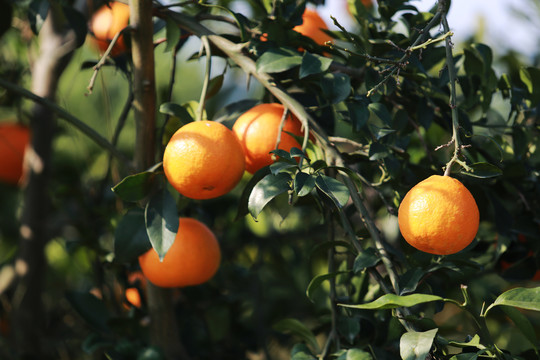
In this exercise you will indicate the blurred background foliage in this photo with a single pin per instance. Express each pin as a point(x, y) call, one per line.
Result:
point(246, 310)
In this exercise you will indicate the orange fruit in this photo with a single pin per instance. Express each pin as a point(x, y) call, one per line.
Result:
point(133, 297)
point(14, 139)
point(193, 258)
point(439, 216)
point(106, 22)
point(203, 160)
point(258, 130)
point(311, 26)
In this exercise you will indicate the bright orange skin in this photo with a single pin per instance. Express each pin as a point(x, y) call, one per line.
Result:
point(439, 216)
point(14, 139)
point(193, 258)
point(106, 23)
point(311, 26)
point(133, 297)
point(258, 129)
point(203, 160)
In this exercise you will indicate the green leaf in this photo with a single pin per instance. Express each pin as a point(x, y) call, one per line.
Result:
point(524, 298)
point(355, 354)
point(358, 114)
point(526, 78)
point(349, 327)
point(391, 301)
point(303, 183)
point(482, 170)
point(380, 111)
point(334, 189)
point(336, 87)
point(161, 218)
point(92, 310)
point(267, 189)
point(37, 13)
point(301, 352)
point(135, 187)
point(297, 328)
point(522, 323)
point(130, 237)
point(280, 166)
point(317, 281)
point(277, 60)
point(474, 342)
point(243, 202)
point(409, 281)
point(313, 64)
point(416, 345)
point(378, 151)
point(214, 85)
point(172, 33)
point(179, 112)
point(366, 259)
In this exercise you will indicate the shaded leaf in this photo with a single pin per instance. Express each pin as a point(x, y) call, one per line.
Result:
point(92, 310)
point(334, 189)
point(313, 64)
point(130, 237)
point(349, 327)
point(366, 259)
point(336, 87)
point(416, 345)
point(135, 187)
point(301, 352)
point(358, 114)
point(214, 85)
point(391, 301)
point(380, 111)
point(161, 218)
point(317, 281)
point(179, 112)
point(482, 170)
point(295, 327)
point(267, 189)
point(409, 281)
point(303, 183)
point(522, 323)
point(172, 32)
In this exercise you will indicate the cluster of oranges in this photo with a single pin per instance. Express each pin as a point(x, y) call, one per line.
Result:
point(205, 160)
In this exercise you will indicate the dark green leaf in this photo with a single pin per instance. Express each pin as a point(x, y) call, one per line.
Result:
point(474, 342)
point(391, 301)
point(303, 183)
point(267, 189)
point(233, 110)
point(278, 60)
point(334, 189)
point(177, 111)
point(522, 323)
point(37, 12)
point(524, 298)
point(317, 281)
point(355, 354)
point(243, 202)
point(161, 218)
point(409, 281)
point(135, 187)
point(336, 87)
point(380, 111)
point(6, 15)
point(301, 352)
point(297, 328)
point(313, 64)
point(279, 166)
point(465, 356)
point(92, 310)
point(482, 170)
point(366, 259)
point(214, 86)
point(378, 151)
point(172, 32)
point(130, 237)
point(416, 345)
point(349, 327)
point(77, 22)
point(284, 155)
point(358, 114)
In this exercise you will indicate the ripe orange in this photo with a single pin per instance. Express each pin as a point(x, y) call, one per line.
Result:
point(106, 22)
point(203, 160)
point(258, 130)
point(133, 297)
point(311, 26)
point(14, 139)
point(439, 216)
point(193, 258)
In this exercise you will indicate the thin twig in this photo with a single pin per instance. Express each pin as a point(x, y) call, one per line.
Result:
point(206, 81)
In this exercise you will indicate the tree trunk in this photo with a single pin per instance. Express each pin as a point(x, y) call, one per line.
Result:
point(57, 43)
point(163, 327)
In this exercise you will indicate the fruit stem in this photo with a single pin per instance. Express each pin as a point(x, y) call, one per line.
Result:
point(208, 69)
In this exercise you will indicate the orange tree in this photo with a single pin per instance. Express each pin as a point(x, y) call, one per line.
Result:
point(312, 262)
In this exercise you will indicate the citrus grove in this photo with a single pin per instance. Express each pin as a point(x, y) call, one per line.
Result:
point(265, 180)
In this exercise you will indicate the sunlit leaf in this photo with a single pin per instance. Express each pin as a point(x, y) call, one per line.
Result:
point(278, 60)
point(416, 345)
point(313, 64)
point(334, 189)
point(524, 298)
point(267, 189)
point(391, 301)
